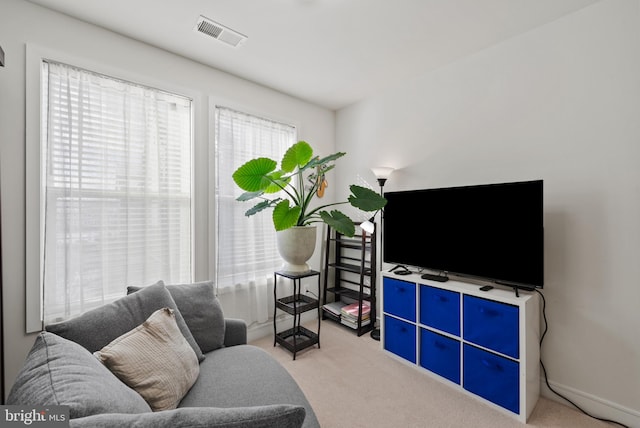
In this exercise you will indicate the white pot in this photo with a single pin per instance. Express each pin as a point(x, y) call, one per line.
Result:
point(296, 246)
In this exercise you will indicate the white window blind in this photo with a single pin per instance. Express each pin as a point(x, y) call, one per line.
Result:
point(246, 246)
point(116, 188)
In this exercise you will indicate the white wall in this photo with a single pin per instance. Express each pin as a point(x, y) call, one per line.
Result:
point(559, 103)
point(21, 23)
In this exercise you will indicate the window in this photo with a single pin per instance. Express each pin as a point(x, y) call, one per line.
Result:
point(115, 188)
point(246, 248)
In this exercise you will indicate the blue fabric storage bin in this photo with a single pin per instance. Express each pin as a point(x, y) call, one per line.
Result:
point(440, 309)
point(400, 338)
point(492, 325)
point(400, 298)
point(440, 354)
point(492, 377)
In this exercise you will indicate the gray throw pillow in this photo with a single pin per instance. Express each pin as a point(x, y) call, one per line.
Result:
point(97, 328)
point(280, 416)
point(201, 310)
point(61, 372)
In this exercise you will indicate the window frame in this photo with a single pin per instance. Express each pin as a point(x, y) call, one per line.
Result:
point(219, 101)
point(34, 221)
point(214, 147)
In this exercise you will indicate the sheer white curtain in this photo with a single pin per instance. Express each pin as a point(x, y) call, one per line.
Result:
point(246, 248)
point(116, 190)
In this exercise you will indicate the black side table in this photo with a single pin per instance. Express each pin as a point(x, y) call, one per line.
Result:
point(297, 338)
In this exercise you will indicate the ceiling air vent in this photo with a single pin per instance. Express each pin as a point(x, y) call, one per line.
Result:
point(219, 32)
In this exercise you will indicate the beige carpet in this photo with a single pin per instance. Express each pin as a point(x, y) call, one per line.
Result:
point(351, 382)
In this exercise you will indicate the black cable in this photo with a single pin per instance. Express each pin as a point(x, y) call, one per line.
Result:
point(544, 370)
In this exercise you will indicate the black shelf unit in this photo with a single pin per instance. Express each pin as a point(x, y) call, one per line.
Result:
point(351, 262)
point(298, 337)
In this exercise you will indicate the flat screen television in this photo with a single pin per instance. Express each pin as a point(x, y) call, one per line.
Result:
point(491, 231)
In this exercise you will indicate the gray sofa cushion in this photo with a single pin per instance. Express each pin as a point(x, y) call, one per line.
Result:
point(96, 328)
point(60, 372)
point(201, 310)
point(280, 416)
point(235, 332)
point(228, 378)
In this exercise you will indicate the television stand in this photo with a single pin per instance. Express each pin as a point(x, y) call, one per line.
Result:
point(486, 345)
point(434, 277)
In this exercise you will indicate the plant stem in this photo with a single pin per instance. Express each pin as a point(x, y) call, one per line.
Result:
point(325, 206)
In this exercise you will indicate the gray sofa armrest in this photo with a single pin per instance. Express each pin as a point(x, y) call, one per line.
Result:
point(281, 416)
point(235, 332)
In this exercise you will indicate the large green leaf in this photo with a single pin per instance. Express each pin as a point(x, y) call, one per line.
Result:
point(284, 216)
point(339, 221)
point(253, 175)
point(247, 196)
point(278, 182)
point(297, 156)
point(325, 160)
point(366, 199)
point(261, 206)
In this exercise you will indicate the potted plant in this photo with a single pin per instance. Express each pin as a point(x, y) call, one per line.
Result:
point(301, 178)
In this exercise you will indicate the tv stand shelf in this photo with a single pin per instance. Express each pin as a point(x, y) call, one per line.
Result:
point(484, 343)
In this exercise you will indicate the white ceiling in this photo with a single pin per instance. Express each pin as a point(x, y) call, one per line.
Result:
point(329, 52)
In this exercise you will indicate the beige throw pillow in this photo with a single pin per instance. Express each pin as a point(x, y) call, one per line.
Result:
point(155, 360)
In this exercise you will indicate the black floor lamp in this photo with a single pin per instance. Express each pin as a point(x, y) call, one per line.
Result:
point(382, 173)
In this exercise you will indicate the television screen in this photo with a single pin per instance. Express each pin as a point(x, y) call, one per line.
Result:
point(491, 231)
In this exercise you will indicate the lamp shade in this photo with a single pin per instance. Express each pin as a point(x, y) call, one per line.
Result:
point(382, 172)
point(368, 226)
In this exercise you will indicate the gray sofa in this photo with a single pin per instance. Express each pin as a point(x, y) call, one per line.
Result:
point(238, 385)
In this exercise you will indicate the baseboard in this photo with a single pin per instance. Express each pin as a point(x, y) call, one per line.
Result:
point(595, 406)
